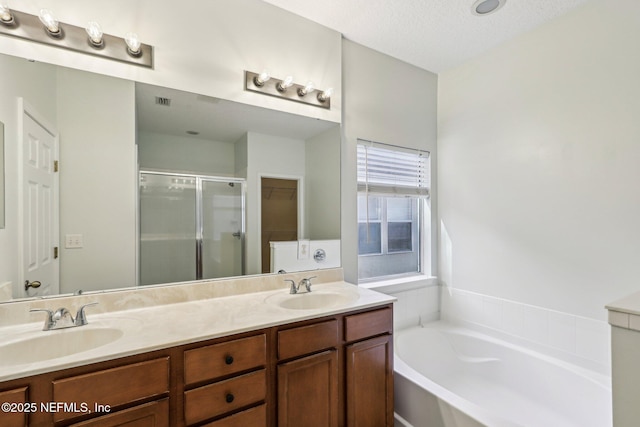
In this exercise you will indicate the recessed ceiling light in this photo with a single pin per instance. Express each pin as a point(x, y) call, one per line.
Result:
point(485, 7)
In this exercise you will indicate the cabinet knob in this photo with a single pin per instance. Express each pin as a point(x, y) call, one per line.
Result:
point(229, 398)
point(228, 360)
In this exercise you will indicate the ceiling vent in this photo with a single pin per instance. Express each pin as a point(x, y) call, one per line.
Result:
point(163, 101)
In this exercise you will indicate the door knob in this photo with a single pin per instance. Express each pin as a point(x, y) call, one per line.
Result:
point(34, 284)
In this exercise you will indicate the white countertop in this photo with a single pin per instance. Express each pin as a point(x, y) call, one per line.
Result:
point(169, 325)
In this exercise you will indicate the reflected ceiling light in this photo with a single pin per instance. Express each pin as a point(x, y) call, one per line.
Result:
point(5, 15)
point(265, 84)
point(262, 78)
point(95, 34)
point(26, 26)
point(323, 96)
point(285, 84)
point(309, 87)
point(50, 22)
point(133, 44)
point(485, 7)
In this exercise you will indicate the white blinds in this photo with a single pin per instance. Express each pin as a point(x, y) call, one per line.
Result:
point(391, 170)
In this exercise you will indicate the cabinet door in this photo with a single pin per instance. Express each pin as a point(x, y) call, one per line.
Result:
point(16, 416)
point(308, 391)
point(370, 383)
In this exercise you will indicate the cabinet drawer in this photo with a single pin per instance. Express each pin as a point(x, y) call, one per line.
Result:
point(254, 417)
point(14, 418)
point(154, 414)
point(113, 387)
point(307, 339)
point(225, 396)
point(218, 360)
point(368, 324)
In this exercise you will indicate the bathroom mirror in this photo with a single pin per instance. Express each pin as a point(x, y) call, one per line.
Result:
point(122, 142)
point(1, 175)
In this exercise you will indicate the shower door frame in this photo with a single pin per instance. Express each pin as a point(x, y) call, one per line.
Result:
point(199, 231)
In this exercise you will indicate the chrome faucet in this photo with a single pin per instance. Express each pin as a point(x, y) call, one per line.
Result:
point(296, 288)
point(62, 318)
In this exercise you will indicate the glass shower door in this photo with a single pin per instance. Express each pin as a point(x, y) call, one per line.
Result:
point(167, 228)
point(191, 227)
point(222, 228)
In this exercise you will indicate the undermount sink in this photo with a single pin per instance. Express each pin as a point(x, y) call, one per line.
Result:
point(313, 300)
point(47, 345)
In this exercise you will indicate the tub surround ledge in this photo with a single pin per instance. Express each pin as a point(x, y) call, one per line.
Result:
point(625, 312)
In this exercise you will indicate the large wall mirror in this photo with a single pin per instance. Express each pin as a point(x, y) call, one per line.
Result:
point(158, 186)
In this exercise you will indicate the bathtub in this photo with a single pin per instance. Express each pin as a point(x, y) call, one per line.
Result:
point(447, 376)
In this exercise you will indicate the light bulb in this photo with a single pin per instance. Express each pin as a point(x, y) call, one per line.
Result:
point(263, 77)
point(49, 20)
point(5, 14)
point(95, 33)
point(286, 83)
point(323, 96)
point(133, 43)
point(309, 87)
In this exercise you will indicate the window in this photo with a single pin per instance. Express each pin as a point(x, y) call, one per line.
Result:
point(393, 190)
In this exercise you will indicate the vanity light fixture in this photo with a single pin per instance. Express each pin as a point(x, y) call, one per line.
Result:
point(5, 15)
point(50, 23)
point(271, 86)
point(324, 96)
point(94, 31)
point(285, 84)
point(262, 78)
point(308, 88)
point(90, 40)
point(133, 44)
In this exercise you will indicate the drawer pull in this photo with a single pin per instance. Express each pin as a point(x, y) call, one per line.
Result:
point(229, 398)
point(228, 360)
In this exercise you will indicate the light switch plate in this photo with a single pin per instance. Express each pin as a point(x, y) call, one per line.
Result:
point(73, 241)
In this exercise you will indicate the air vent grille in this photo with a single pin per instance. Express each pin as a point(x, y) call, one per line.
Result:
point(163, 101)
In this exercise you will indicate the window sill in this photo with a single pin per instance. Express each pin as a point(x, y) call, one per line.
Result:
point(400, 284)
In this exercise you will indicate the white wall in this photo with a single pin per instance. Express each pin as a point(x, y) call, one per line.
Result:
point(274, 157)
point(36, 83)
point(388, 101)
point(185, 154)
point(98, 180)
point(203, 46)
point(538, 164)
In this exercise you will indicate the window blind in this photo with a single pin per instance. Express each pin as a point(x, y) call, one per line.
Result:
point(389, 170)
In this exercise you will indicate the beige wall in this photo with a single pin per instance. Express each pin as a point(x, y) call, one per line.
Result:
point(36, 83)
point(98, 185)
point(322, 180)
point(388, 101)
point(185, 154)
point(538, 164)
point(273, 157)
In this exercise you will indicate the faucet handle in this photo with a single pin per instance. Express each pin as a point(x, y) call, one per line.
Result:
point(81, 317)
point(294, 287)
point(307, 282)
point(48, 321)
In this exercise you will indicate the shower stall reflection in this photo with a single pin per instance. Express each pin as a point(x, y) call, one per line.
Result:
point(191, 227)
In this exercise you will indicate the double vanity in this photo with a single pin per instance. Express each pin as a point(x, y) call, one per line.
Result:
point(237, 352)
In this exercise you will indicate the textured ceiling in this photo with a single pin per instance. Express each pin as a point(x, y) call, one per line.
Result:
point(435, 35)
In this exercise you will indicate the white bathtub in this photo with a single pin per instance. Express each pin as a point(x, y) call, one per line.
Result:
point(448, 376)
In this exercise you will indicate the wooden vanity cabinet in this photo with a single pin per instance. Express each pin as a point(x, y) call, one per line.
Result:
point(330, 371)
point(369, 368)
point(308, 385)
